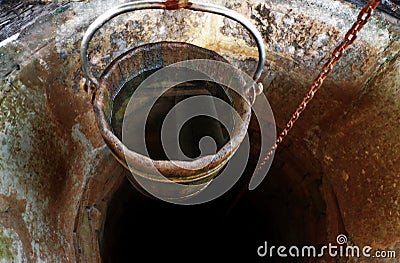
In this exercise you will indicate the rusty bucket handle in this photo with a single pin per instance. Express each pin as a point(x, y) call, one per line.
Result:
point(170, 5)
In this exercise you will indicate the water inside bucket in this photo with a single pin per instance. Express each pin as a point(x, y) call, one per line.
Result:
point(191, 133)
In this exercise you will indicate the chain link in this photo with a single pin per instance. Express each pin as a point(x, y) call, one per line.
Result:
point(363, 17)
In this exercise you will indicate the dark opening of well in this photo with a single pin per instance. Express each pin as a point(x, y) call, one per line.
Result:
point(286, 209)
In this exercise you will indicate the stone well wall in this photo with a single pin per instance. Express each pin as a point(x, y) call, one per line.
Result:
point(57, 176)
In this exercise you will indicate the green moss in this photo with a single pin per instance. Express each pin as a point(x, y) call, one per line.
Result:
point(395, 37)
point(119, 115)
point(382, 24)
point(5, 247)
point(62, 9)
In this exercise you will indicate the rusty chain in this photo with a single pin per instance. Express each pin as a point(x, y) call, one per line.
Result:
point(363, 17)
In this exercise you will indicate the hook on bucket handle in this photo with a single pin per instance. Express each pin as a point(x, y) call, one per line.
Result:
point(172, 5)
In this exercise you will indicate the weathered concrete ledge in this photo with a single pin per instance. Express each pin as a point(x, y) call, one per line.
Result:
point(56, 175)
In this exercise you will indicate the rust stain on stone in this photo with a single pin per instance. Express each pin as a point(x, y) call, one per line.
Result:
point(11, 210)
point(64, 105)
